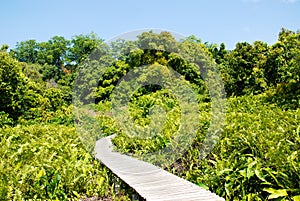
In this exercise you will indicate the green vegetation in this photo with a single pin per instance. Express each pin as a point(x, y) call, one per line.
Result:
point(42, 156)
point(48, 162)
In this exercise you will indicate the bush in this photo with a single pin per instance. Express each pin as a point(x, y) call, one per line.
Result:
point(48, 162)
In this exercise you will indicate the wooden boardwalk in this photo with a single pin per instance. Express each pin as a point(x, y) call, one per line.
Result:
point(151, 182)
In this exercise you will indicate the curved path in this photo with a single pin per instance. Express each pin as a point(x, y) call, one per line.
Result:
point(151, 182)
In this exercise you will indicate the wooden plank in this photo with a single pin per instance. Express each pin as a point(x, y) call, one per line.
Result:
point(151, 182)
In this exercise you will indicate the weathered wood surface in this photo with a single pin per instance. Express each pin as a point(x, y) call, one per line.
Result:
point(151, 182)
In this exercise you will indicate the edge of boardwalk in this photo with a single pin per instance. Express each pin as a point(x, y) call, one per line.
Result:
point(151, 182)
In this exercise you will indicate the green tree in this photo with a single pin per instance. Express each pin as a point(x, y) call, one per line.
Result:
point(19, 95)
point(151, 48)
point(26, 51)
point(245, 67)
point(33, 72)
point(12, 85)
point(81, 47)
point(218, 53)
point(53, 52)
point(283, 70)
point(162, 41)
point(4, 48)
point(288, 59)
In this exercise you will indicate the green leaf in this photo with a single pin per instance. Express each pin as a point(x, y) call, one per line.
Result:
point(258, 173)
point(203, 186)
point(76, 194)
point(276, 193)
point(58, 177)
point(296, 198)
point(243, 173)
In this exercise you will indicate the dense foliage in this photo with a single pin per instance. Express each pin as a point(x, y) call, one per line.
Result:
point(256, 157)
point(48, 162)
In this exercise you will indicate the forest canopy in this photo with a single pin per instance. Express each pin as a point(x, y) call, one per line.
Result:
point(262, 87)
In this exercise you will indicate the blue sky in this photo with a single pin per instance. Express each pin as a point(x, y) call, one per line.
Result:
point(215, 21)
